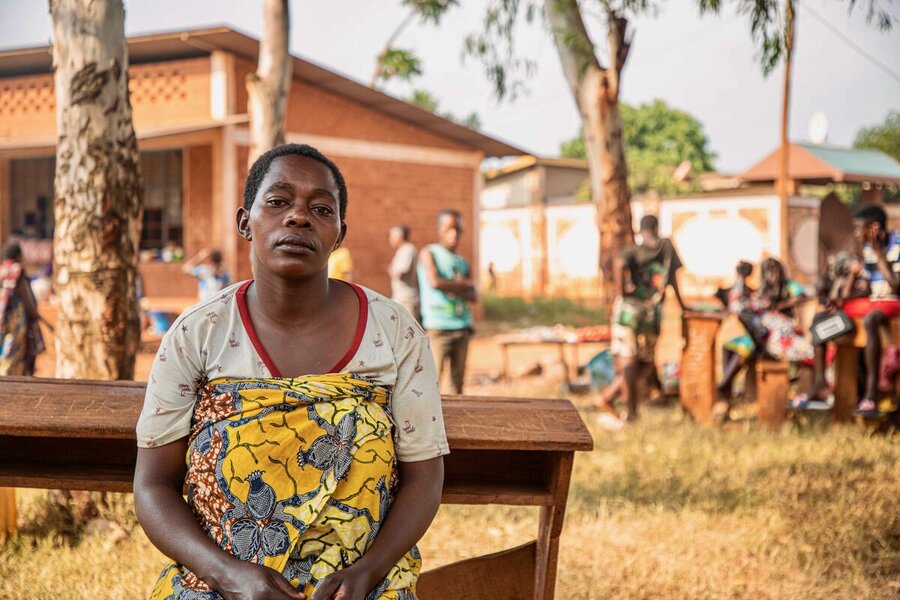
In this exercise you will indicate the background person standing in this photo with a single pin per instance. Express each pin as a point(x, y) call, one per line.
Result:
point(20, 333)
point(642, 274)
point(404, 280)
point(340, 264)
point(212, 278)
point(446, 289)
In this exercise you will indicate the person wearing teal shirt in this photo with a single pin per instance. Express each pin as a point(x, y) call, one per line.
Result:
point(446, 290)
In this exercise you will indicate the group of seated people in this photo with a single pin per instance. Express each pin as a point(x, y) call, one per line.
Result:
point(862, 283)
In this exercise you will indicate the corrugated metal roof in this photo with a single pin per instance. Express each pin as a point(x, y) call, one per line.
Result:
point(857, 161)
point(813, 163)
point(201, 42)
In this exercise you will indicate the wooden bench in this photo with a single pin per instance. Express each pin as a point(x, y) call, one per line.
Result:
point(846, 368)
point(767, 380)
point(79, 435)
point(697, 386)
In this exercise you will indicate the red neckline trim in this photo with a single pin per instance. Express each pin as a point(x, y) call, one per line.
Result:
point(261, 350)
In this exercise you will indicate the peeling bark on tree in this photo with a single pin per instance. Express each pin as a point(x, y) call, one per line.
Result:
point(97, 203)
point(267, 89)
point(596, 92)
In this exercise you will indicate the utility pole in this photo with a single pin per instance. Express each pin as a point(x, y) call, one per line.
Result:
point(785, 189)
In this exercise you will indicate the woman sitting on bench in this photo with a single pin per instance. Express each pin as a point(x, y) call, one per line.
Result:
point(306, 408)
point(873, 272)
point(768, 317)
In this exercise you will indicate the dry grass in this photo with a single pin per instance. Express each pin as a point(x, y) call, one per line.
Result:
point(661, 510)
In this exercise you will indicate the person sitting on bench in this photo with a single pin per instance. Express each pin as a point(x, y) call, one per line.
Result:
point(768, 317)
point(305, 407)
point(839, 284)
point(878, 265)
point(735, 353)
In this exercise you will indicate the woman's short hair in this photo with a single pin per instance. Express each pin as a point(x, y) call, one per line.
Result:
point(264, 162)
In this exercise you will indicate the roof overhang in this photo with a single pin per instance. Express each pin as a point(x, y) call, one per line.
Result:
point(49, 141)
point(527, 161)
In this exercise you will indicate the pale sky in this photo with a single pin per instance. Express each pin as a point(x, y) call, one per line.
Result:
point(705, 66)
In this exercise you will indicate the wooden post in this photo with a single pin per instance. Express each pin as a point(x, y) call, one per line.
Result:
point(846, 378)
point(783, 173)
point(698, 365)
point(750, 387)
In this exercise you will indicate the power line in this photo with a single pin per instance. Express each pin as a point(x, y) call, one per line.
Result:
point(850, 42)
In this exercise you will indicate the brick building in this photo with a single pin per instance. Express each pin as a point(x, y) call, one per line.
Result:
point(189, 100)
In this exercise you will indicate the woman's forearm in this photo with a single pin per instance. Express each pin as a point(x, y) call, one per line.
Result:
point(171, 526)
point(792, 303)
point(887, 272)
point(411, 513)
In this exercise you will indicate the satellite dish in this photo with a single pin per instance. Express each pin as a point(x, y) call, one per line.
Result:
point(682, 171)
point(818, 128)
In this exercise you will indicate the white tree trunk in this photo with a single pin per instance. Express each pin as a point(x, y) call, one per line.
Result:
point(97, 201)
point(595, 90)
point(268, 88)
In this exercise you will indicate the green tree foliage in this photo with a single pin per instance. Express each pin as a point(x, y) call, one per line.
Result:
point(767, 23)
point(495, 46)
point(657, 139)
point(884, 137)
point(430, 11)
point(399, 64)
point(404, 64)
point(425, 99)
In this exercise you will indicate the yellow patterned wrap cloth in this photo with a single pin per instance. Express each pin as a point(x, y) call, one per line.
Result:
point(295, 474)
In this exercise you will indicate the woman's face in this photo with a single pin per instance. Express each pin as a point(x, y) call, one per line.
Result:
point(866, 232)
point(294, 223)
point(772, 275)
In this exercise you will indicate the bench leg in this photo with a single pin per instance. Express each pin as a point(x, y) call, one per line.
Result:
point(550, 528)
point(772, 387)
point(750, 387)
point(846, 379)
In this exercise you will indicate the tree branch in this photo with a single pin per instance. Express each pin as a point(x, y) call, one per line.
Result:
point(576, 50)
point(388, 45)
point(619, 45)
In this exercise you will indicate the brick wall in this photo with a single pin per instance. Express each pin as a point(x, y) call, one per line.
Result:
point(27, 106)
point(198, 198)
point(316, 111)
point(166, 93)
point(382, 194)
